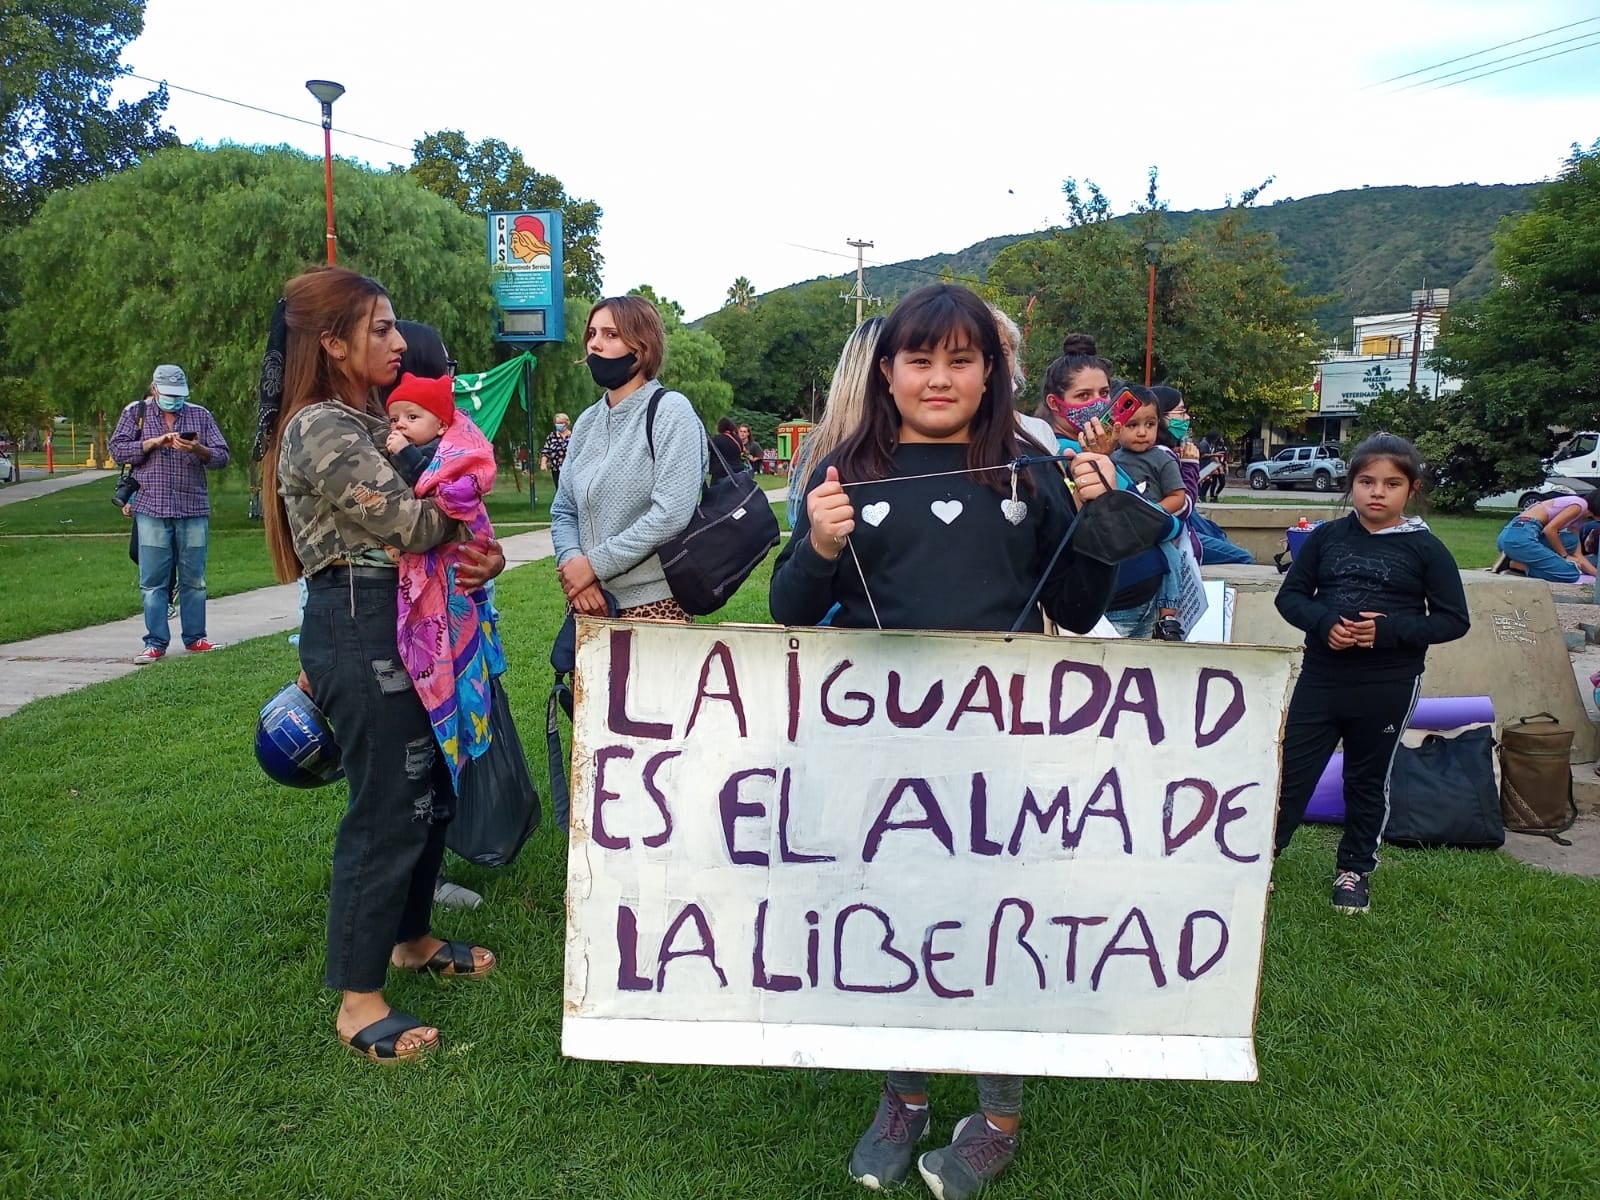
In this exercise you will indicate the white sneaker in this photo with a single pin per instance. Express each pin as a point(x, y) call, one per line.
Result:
point(453, 895)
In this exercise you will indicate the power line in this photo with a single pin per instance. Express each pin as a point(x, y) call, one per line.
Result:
point(267, 111)
point(1514, 66)
point(1478, 53)
point(1578, 37)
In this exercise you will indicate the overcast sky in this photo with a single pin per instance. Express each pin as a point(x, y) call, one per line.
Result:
point(726, 139)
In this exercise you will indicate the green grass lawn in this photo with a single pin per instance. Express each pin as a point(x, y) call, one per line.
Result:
point(164, 1032)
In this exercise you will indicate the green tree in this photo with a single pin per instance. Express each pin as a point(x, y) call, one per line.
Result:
point(1230, 331)
point(184, 255)
point(483, 176)
point(742, 293)
point(58, 126)
point(781, 353)
point(1528, 352)
point(23, 407)
point(694, 360)
point(1462, 458)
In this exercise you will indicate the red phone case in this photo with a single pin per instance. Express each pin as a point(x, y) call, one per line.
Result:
point(1126, 405)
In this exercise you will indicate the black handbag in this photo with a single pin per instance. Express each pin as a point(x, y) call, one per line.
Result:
point(1443, 793)
point(497, 806)
point(733, 528)
point(127, 485)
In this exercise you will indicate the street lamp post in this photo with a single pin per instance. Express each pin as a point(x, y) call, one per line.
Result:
point(326, 92)
point(1152, 255)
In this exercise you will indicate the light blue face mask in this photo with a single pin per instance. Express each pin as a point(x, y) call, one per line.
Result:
point(169, 404)
point(1179, 428)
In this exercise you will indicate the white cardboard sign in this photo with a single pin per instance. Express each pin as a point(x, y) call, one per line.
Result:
point(958, 852)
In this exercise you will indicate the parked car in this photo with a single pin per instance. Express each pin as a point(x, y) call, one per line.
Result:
point(1318, 465)
point(1553, 485)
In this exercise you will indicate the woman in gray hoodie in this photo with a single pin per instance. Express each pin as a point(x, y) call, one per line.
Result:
point(629, 482)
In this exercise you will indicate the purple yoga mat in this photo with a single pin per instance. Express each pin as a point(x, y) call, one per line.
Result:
point(1432, 713)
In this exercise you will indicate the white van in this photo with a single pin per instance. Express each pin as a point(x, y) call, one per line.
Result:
point(1577, 458)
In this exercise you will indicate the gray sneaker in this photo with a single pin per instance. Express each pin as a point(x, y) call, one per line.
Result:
point(975, 1155)
point(453, 895)
point(883, 1155)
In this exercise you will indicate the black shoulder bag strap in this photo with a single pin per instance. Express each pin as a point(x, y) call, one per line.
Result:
point(650, 420)
point(560, 797)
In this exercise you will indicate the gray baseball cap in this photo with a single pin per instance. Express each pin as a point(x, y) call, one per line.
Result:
point(170, 380)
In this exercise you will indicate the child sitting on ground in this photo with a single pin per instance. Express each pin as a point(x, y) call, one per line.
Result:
point(448, 638)
point(1154, 474)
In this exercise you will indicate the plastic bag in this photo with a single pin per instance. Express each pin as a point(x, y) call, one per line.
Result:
point(497, 806)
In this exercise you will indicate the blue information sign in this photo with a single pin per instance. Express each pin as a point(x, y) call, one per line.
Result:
point(525, 255)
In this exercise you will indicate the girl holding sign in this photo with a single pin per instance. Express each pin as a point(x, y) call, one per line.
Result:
point(921, 501)
point(1372, 591)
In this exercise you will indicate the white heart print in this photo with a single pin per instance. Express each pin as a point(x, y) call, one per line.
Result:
point(873, 514)
point(946, 510)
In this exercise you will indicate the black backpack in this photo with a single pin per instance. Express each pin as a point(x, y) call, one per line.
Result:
point(732, 530)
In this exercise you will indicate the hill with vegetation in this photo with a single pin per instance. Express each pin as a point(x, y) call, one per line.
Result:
point(1365, 249)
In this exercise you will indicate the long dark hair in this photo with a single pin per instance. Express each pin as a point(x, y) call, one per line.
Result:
point(1078, 352)
point(949, 315)
point(1167, 399)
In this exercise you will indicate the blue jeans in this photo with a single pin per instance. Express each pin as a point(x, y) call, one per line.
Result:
point(163, 540)
point(1221, 550)
point(1136, 622)
point(1523, 541)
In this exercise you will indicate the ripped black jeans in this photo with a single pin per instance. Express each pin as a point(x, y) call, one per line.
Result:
point(390, 843)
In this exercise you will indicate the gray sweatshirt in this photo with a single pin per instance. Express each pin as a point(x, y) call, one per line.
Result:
point(615, 504)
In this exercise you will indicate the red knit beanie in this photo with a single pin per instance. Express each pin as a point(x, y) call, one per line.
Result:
point(436, 396)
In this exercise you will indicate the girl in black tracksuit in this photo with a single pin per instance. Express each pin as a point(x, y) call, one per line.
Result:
point(1373, 590)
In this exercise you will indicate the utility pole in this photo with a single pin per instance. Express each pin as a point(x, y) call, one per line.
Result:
point(860, 294)
point(1416, 334)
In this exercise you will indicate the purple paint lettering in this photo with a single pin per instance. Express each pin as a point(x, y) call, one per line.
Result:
point(1109, 782)
point(650, 769)
point(733, 808)
point(706, 949)
point(597, 825)
point(794, 688)
point(931, 956)
point(628, 977)
point(932, 818)
point(1147, 951)
point(1019, 725)
point(1140, 680)
point(1230, 715)
point(1227, 814)
point(1186, 966)
point(1022, 939)
point(720, 654)
point(758, 966)
point(830, 714)
point(918, 717)
point(984, 678)
point(1073, 924)
point(1089, 711)
point(1030, 808)
point(813, 947)
point(886, 945)
point(785, 854)
point(617, 718)
point(979, 818)
point(1206, 806)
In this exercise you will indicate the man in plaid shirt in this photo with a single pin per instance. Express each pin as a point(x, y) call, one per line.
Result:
point(171, 444)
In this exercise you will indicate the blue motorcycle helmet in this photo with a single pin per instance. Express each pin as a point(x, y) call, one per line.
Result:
point(294, 743)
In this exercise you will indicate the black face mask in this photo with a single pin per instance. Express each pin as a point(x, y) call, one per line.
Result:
point(612, 373)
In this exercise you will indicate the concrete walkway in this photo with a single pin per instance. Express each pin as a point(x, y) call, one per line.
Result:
point(32, 489)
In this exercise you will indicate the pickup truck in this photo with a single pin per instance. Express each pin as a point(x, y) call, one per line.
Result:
point(1319, 466)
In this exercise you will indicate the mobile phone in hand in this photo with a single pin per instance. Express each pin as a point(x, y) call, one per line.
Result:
point(1123, 408)
point(189, 437)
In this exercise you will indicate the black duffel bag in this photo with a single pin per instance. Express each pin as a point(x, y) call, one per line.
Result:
point(1443, 793)
point(732, 530)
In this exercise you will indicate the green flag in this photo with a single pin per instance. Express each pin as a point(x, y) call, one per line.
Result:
point(486, 396)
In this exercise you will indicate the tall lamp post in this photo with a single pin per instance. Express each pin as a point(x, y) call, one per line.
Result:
point(1152, 255)
point(326, 92)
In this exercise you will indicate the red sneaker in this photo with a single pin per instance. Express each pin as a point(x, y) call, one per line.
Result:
point(148, 655)
point(202, 646)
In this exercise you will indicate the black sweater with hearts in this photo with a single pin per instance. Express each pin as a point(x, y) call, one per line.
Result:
point(941, 554)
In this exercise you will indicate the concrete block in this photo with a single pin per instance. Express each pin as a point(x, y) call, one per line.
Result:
point(1259, 528)
point(1586, 788)
point(1515, 652)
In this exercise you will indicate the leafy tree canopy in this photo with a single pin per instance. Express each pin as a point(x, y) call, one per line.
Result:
point(694, 360)
point(181, 258)
point(1528, 352)
point(58, 127)
point(1230, 331)
point(487, 175)
point(780, 354)
point(741, 293)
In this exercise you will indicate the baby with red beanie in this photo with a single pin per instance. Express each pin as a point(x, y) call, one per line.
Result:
point(420, 410)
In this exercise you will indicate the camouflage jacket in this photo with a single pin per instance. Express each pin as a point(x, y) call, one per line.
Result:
point(342, 494)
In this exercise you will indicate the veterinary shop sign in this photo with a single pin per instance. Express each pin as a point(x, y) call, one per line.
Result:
point(893, 850)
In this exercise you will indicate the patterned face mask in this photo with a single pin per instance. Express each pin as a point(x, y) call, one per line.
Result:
point(1081, 414)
